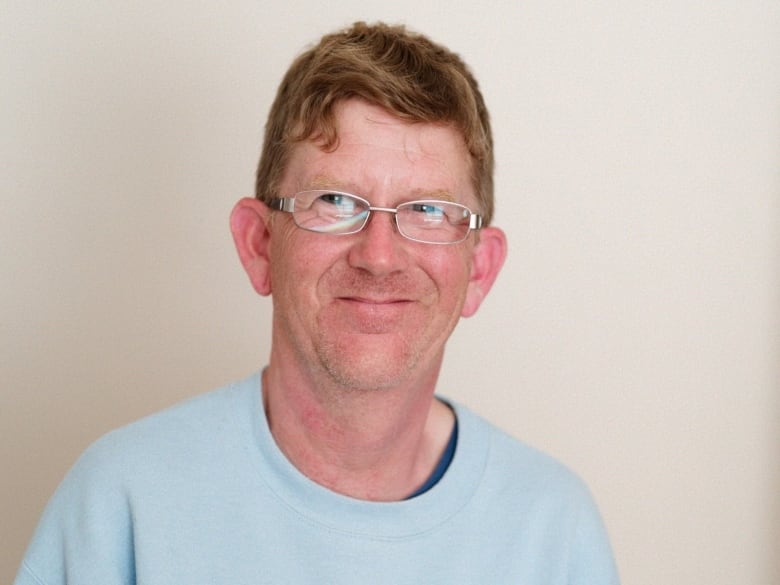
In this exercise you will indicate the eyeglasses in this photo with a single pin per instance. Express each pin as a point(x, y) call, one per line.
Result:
point(337, 213)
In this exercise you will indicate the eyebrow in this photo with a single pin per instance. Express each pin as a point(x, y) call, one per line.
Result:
point(326, 182)
point(438, 194)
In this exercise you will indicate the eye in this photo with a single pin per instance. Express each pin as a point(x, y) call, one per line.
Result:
point(334, 198)
point(428, 211)
point(336, 204)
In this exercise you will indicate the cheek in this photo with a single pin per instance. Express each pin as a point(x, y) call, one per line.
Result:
point(288, 264)
point(299, 260)
point(451, 273)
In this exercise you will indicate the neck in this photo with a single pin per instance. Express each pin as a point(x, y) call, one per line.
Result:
point(373, 445)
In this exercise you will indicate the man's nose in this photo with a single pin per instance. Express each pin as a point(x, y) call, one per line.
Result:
point(378, 247)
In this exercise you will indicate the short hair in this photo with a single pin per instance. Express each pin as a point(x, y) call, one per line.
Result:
point(405, 73)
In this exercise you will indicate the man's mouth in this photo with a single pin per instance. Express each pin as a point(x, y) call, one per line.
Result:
point(371, 314)
point(371, 300)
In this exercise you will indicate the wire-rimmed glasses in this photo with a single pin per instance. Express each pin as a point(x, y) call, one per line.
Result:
point(338, 213)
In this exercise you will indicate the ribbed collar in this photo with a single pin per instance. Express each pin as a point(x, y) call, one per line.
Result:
point(380, 520)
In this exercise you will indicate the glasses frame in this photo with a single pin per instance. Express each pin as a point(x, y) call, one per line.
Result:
point(287, 204)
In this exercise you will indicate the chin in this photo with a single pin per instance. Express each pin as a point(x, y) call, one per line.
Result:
point(364, 369)
point(362, 378)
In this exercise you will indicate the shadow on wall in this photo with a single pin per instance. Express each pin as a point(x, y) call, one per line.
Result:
point(774, 488)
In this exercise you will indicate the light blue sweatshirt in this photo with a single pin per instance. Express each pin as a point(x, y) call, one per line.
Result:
point(200, 493)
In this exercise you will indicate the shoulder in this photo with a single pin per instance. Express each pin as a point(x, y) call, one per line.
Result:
point(137, 474)
point(512, 467)
point(162, 440)
point(529, 496)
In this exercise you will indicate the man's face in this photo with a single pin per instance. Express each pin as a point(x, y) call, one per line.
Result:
point(372, 309)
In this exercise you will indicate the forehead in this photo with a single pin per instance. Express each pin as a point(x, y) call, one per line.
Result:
point(379, 155)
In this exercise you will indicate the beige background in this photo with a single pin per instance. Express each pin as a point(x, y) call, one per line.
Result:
point(633, 333)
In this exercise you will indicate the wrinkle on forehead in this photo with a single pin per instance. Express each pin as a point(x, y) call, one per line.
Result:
point(385, 160)
point(414, 144)
point(327, 182)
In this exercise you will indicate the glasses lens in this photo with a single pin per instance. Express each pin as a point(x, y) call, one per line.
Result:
point(330, 212)
point(438, 222)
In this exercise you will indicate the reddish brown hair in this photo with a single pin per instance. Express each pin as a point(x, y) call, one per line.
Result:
point(405, 73)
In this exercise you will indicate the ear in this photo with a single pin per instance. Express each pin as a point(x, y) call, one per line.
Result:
point(249, 225)
point(487, 259)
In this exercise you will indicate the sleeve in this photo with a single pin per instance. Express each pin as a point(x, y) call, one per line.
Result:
point(592, 561)
point(85, 533)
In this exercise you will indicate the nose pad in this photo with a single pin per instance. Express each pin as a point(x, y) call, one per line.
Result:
point(378, 247)
point(376, 215)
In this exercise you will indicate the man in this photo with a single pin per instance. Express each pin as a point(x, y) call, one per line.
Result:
point(337, 463)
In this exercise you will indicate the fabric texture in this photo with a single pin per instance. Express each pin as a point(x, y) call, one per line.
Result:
point(201, 494)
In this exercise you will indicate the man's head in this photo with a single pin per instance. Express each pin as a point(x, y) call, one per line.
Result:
point(385, 132)
point(403, 73)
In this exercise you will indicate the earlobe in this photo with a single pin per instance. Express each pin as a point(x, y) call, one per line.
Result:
point(487, 259)
point(249, 226)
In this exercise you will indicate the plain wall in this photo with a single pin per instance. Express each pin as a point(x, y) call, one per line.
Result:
point(633, 332)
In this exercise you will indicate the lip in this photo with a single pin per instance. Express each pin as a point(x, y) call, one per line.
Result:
point(375, 308)
point(374, 301)
point(372, 315)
